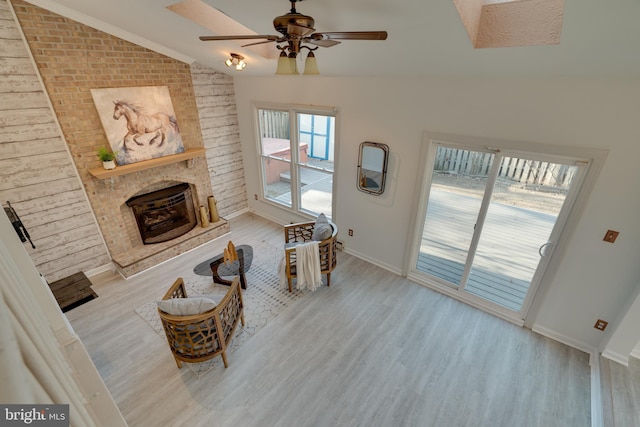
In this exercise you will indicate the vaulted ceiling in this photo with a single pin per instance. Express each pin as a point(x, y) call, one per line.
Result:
point(599, 38)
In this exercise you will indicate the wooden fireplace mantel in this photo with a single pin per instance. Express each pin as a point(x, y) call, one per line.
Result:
point(191, 153)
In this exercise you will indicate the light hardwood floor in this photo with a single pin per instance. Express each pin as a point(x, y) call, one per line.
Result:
point(621, 392)
point(374, 349)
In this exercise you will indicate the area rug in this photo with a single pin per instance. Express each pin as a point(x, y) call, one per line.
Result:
point(264, 299)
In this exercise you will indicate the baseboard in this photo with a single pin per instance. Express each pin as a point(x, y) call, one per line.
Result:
point(387, 267)
point(616, 357)
point(102, 269)
point(556, 336)
point(237, 213)
point(264, 216)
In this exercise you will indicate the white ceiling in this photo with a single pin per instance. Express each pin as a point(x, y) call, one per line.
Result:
point(600, 38)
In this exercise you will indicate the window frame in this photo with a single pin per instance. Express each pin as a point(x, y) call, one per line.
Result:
point(294, 163)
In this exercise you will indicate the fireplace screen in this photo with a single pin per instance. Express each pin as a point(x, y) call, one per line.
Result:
point(165, 214)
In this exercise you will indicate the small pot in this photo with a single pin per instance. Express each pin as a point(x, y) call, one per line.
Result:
point(109, 165)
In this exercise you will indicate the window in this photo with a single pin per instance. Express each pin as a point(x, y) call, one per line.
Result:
point(296, 152)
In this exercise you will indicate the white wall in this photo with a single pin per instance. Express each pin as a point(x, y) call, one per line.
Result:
point(623, 341)
point(595, 277)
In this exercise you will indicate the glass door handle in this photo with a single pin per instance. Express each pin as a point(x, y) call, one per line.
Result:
point(542, 250)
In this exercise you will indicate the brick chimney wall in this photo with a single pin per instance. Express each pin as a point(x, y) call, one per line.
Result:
point(73, 58)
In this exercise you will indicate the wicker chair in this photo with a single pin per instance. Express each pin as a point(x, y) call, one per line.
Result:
point(302, 232)
point(199, 337)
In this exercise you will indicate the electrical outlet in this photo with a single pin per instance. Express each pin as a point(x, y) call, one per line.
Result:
point(601, 325)
point(611, 236)
point(351, 232)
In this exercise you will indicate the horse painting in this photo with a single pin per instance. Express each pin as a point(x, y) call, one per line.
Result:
point(144, 129)
point(149, 128)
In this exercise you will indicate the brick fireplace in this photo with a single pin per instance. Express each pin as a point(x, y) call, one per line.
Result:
point(112, 202)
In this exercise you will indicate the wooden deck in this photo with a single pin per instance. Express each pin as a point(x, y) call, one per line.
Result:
point(507, 254)
point(316, 191)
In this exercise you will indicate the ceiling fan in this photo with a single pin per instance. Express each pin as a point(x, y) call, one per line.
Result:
point(296, 30)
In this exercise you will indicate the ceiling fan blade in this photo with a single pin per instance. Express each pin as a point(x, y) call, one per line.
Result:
point(247, 37)
point(253, 44)
point(299, 30)
point(323, 43)
point(351, 35)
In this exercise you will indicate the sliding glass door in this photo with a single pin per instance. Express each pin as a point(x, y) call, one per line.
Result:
point(491, 218)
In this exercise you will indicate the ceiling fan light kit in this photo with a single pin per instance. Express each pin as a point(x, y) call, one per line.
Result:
point(310, 64)
point(297, 30)
point(237, 61)
point(288, 64)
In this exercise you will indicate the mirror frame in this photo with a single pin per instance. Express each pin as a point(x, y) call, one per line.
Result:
point(362, 179)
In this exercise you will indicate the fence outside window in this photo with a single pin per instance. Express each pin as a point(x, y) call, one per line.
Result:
point(527, 172)
point(274, 124)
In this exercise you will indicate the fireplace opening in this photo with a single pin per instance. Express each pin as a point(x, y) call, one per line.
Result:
point(164, 214)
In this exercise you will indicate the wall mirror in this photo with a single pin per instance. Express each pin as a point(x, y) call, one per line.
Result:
point(372, 167)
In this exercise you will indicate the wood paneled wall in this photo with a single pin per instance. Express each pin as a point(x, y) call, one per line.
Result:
point(216, 101)
point(37, 175)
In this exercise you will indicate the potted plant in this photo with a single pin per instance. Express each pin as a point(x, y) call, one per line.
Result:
point(107, 158)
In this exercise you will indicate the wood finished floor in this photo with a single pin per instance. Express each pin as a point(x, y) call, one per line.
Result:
point(621, 393)
point(374, 349)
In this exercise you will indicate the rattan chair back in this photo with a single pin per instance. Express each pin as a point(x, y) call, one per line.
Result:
point(199, 337)
point(302, 232)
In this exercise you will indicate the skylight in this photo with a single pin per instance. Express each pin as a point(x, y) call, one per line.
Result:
point(505, 23)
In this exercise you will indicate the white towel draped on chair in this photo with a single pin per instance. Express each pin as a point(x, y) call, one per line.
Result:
point(308, 266)
point(282, 271)
point(299, 234)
